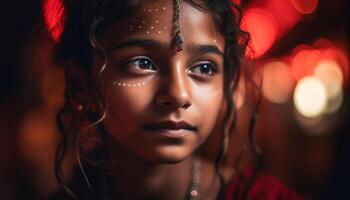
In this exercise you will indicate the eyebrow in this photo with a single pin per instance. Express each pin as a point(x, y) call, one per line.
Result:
point(204, 49)
point(136, 43)
point(195, 48)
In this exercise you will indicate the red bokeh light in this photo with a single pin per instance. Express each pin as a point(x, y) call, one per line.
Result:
point(53, 13)
point(284, 12)
point(238, 2)
point(263, 29)
point(304, 63)
point(305, 6)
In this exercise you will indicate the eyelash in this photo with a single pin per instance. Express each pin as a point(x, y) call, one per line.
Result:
point(209, 66)
point(135, 61)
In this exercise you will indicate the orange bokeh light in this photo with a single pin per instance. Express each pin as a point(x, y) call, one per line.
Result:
point(278, 82)
point(304, 63)
point(263, 29)
point(306, 58)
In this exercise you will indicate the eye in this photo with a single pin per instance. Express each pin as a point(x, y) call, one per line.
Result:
point(204, 69)
point(140, 63)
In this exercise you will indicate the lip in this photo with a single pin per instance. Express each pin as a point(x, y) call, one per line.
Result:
point(171, 129)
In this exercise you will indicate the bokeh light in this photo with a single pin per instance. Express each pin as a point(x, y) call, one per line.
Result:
point(263, 29)
point(278, 82)
point(286, 15)
point(334, 103)
point(53, 12)
point(305, 6)
point(304, 63)
point(238, 2)
point(329, 72)
point(310, 97)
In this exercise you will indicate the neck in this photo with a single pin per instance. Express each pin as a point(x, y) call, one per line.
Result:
point(136, 178)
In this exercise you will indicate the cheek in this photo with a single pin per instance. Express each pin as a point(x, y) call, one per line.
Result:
point(125, 107)
point(209, 106)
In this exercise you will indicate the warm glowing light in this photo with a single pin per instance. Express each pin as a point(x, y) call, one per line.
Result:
point(53, 13)
point(305, 6)
point(323, 43)
point(310, 97)
point(278, 82)
point(238, 2)
point(334, 103)
point(304, 63)
point(263, 29)
point(331, 51)
point(329, 72)
point(341, 58)
point(286, 15)
point(306, 58)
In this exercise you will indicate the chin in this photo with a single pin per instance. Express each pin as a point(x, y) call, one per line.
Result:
point(170, 155)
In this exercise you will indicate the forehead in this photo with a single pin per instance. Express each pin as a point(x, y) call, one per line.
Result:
point(154, 19)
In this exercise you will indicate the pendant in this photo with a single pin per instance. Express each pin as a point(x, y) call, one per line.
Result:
point(178, 40)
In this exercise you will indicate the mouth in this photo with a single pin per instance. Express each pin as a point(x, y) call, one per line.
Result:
point(171, 129)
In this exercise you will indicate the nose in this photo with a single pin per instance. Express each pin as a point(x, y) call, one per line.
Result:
point(175, 91)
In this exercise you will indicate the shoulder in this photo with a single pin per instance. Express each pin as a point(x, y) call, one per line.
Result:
point(264, 187)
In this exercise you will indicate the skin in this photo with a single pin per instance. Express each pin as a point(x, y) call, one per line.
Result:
point(184, 86)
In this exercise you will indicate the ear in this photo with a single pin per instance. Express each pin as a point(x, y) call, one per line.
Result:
point(78, 93)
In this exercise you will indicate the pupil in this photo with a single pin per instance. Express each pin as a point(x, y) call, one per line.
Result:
point(206, 69)
point(144, 64)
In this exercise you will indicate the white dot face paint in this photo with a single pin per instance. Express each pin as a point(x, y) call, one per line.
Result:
point(119, 84)
point(151, 24)
point(148, 26)
point(134, 72)
point(132, 83)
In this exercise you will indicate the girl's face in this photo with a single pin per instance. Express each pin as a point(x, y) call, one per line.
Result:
point(162, 105)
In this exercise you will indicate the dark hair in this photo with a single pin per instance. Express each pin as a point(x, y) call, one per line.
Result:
point(84, 20)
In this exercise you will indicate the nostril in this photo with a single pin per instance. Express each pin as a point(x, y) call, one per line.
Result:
point(166, 103)
point(187, 105)
point(174, 94)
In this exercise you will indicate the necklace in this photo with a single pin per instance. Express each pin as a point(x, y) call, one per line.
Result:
point(193, 189)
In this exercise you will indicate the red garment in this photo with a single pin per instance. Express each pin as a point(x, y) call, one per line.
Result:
point(265, 187)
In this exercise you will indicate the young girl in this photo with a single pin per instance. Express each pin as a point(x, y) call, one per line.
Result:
point(149, 89)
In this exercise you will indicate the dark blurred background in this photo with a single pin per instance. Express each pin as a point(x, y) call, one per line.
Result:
point(301, 46)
